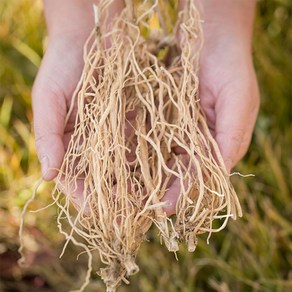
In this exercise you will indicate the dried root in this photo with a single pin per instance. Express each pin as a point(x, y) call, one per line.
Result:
point(139, 128)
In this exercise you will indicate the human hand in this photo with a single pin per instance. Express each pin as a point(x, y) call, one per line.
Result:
point(229, 93)
point(69, 24)
point(228, 86)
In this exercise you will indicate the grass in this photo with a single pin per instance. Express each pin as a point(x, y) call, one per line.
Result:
point(253, 254)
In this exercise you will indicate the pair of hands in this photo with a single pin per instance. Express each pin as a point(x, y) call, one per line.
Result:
point(228, 87)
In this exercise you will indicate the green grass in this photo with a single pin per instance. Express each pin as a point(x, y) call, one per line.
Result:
point(253, 254)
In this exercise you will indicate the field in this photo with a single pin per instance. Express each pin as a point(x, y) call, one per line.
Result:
point(253, 254)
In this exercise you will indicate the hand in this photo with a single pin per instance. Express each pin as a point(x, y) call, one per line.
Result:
point(69, 24)
point(56, 80)
point(229, 98)
point(228, 86)
point(229, 93)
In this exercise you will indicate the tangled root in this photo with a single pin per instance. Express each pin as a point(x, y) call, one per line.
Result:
point(139, 127)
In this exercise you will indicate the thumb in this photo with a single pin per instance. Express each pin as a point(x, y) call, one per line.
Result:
point(49, 110)
point(236, 112)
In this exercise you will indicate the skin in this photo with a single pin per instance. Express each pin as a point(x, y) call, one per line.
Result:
point(229, 92)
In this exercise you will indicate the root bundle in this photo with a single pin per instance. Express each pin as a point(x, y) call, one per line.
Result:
point(140, 129)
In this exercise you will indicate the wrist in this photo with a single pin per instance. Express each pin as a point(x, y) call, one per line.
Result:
point(75, 18)
point(226, 20)
point(68, 18)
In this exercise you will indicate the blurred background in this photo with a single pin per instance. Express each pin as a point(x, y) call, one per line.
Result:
point(253, 254)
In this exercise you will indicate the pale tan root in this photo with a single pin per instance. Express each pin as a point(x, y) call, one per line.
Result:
point(133, 110)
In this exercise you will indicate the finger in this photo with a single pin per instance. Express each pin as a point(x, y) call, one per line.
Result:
point(175, 184)
point(236, 112)
point(171, 197)
point(49, 109)
point(207, 102)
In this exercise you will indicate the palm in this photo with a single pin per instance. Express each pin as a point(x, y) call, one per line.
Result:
point(57, 78)
point(229, 99)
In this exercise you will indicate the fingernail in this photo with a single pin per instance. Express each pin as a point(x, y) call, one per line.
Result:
point(45, 165)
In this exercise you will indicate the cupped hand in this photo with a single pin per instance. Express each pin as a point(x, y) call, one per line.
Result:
point(52, 92)
point(229, 96)
point(228, 92)
point(69, 24)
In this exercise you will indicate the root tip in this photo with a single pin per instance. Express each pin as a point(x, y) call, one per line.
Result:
point(172, 245)
point(131, 267)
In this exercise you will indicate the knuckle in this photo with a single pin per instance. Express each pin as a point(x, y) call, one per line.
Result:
point(237, 135)
point(44, 140)
point(38, 142)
